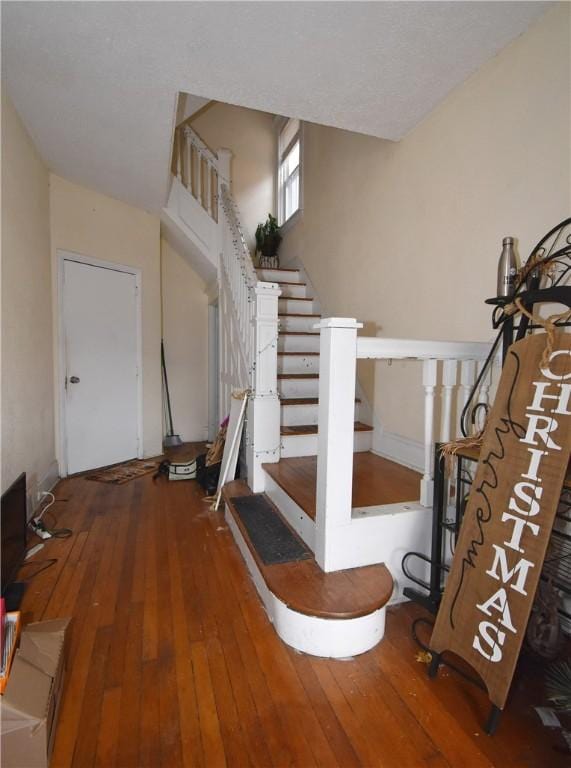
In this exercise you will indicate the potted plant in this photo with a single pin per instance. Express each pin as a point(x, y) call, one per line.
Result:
point(268, 239)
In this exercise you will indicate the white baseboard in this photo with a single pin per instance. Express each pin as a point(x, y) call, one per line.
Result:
point(403, 450)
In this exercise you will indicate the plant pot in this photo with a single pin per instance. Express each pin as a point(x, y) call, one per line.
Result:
point(270, 245)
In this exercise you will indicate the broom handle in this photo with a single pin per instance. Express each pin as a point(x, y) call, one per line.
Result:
point(164, 366)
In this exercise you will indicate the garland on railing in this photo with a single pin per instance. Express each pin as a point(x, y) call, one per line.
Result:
point(240, 247)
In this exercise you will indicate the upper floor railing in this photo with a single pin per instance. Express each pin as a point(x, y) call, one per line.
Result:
point(196, 167)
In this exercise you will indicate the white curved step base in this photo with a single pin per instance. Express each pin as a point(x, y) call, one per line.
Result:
point(330, 638)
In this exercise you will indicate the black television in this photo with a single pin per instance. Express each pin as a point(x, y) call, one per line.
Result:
point(13, 519)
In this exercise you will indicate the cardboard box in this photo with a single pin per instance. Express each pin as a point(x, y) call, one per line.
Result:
point(30, 704)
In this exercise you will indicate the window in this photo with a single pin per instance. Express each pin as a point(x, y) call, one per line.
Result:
point(289, 170)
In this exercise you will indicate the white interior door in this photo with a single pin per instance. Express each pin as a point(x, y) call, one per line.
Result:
point(101, 398)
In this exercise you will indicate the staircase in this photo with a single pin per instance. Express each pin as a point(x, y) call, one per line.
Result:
point(298, 367)
point(300, 371)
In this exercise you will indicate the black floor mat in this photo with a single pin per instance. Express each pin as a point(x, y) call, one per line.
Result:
point(271, 537)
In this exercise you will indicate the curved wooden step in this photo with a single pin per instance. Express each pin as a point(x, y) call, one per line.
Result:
point(324, 614)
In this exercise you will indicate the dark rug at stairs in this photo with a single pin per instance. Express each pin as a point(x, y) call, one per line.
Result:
point(122, 473)
point(270, 536)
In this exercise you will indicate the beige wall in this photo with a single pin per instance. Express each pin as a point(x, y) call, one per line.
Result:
point(250, 136)
point(406, 236)
point(185, 332)
point(100, 227)
point(27, 371)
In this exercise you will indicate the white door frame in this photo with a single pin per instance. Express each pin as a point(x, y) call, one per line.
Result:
point(62, 257)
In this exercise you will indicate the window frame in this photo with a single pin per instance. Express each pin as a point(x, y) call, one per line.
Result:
point(282, 125)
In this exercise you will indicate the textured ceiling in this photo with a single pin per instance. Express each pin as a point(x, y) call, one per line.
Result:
point(96, 82)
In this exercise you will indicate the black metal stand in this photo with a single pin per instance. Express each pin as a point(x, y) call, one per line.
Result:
point(493, 720)
point(14, 594)
point(436, 561)
point(434, 664)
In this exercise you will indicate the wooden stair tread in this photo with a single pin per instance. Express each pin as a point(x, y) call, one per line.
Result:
point(276, 269)
point(295, 298)
point(305, 588)
point(285, 401)
point(298, 314)
point(375, 481)
point(300, 354)
point(311, 429)
point(298, 376)
point(288, 282)
point(299, 333)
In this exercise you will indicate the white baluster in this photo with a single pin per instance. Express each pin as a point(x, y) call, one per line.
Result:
point(449, 374)
point(208, 191)
point(188, 155)
point(177, 148)
point(198, 164)
point(429, 371)
point(335, 434)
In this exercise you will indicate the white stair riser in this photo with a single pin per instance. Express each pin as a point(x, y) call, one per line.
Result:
point(298, 387)
point(294, 514)
point(296, 306)
point(306, 445)
point(290, 291)
point(288, 343)
point(297, 323)
point(298, 363)
point(299, 415)
point(275, 275)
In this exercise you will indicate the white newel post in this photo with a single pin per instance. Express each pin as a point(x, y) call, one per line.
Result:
point(336, 414)
point(429, 371)
point(263, 427)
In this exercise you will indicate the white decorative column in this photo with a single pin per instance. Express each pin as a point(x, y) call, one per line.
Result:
point(187, 161)
point(337, 371)
point(429, 371)
point(449, 375)
point(263, 426)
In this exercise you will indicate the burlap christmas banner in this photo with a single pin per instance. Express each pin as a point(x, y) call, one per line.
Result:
point(509, 516)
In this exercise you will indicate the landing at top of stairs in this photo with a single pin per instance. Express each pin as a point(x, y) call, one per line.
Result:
point(375, 481)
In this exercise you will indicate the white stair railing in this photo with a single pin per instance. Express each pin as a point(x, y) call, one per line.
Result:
point(249, 340)
point(340, 347)
point(248, 308)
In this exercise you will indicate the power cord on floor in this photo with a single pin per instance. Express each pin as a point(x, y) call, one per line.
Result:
point(453, 667)
point(40, 529)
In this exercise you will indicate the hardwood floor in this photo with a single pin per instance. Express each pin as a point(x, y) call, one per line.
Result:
point(375, 481)
point(173, 661)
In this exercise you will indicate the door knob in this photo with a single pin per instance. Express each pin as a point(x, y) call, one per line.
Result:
point(74, 379)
